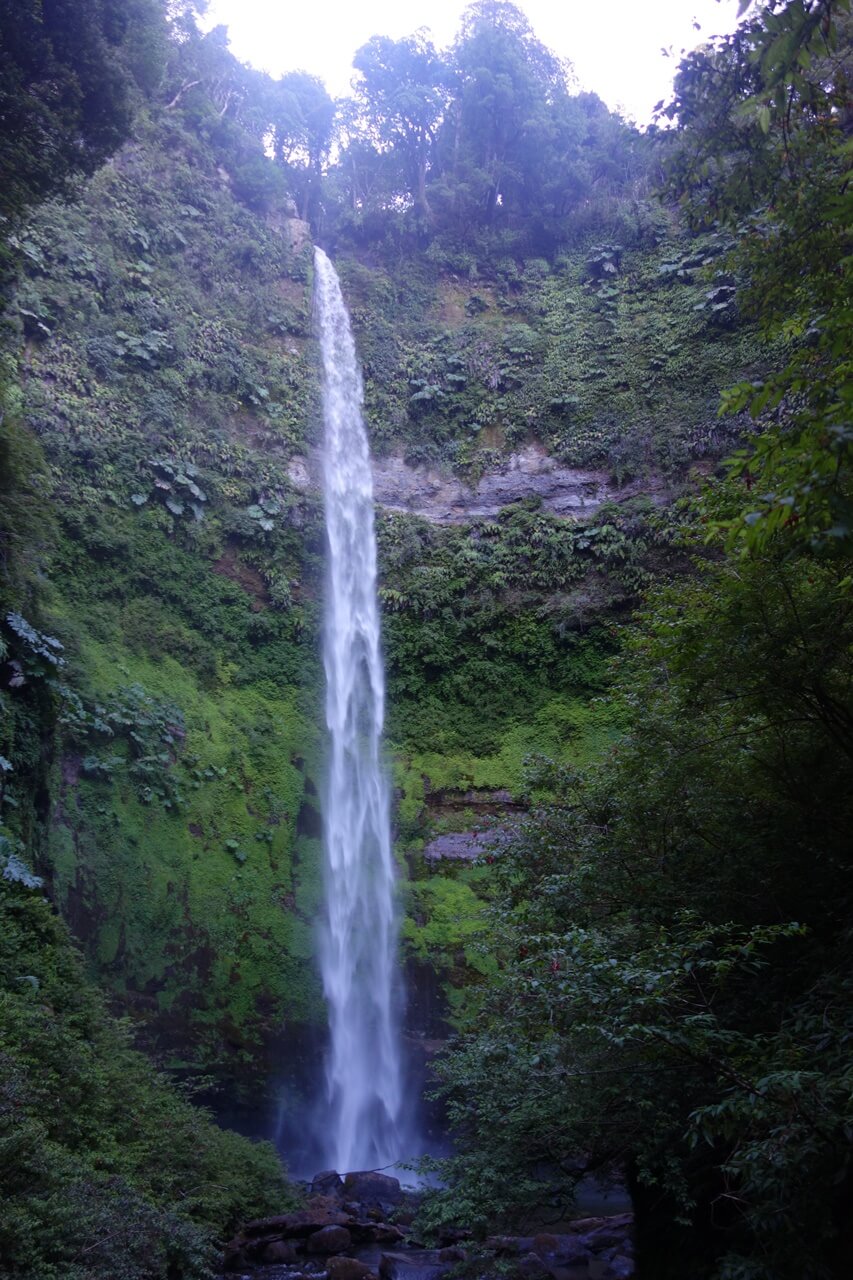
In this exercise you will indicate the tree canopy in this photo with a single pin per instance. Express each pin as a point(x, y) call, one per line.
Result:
point(68, 73)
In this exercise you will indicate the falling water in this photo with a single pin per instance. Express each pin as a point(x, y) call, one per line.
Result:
point(359, 938)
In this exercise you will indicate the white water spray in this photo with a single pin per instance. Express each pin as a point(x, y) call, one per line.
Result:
point(358, 952)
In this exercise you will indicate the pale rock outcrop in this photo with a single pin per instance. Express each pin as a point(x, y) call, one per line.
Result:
point(443, 498)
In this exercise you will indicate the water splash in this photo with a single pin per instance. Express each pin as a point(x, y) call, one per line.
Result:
point(358, 951)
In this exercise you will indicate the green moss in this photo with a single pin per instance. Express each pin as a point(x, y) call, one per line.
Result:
point(170, 911)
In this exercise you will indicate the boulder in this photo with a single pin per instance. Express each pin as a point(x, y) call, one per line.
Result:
point(278, 1251)
point(416, 1264)
point(585, 1225)
point(348, 1269)
point(302, 1222)
point(507, 1246)
point(452, 1253)
point(326, 1204)
point(329, 1240)
point(328, 1183)
point(373, 1189)
point(531, 1267)
point(547, 1246)
point(380, 1232)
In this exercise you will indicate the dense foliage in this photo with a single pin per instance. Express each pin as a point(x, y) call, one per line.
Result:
point(650, 976)
point(69, 73)
point(672, 935)
point(105, 1171)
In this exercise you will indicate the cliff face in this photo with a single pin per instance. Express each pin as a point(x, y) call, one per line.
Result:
point(167, 374)
point(528, 474)
point(530, 422)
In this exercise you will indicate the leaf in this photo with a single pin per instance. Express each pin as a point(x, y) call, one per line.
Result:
point(18, 872)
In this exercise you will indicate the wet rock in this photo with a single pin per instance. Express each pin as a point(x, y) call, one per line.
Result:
point(598, 1223)
point(531, 1267)
point(443, 498)
point(329, 1240)
point(326, 1204)
point(348, 1269)
point(530, 472)
point(465, 846)
point(374, 1190)
point(506, 1246)
point(301, 1222)
point(328, 1183)
point(278, 1251)
point(377, 1233)
point(453, 1253)
point(416, 1264)
point(606, 1238)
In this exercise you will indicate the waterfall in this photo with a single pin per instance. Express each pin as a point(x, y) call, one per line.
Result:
point(358, 950)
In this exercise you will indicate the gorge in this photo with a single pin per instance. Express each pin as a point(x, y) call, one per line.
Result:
point(445, 746)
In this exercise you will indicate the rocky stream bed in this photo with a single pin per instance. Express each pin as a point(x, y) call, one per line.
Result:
point(360, 1228)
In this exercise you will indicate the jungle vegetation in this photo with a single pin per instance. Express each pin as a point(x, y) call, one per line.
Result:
point(651, 979)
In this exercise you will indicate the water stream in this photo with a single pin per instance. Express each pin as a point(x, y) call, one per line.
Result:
point(358, 949)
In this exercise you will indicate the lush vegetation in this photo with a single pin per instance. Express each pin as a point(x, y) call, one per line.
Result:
point(107, 1171)
point(650, 976)
point(671, 935)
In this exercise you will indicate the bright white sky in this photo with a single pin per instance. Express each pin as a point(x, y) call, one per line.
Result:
point(616, 46)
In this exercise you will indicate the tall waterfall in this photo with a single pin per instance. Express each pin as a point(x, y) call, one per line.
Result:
point(358, 952)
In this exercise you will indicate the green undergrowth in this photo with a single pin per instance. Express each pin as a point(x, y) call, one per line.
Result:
point(445, 926)
point(446, 905)
point(187, 899)
point(611, 354)
point(564, 729)
point(106, 1172)
point(167, 376)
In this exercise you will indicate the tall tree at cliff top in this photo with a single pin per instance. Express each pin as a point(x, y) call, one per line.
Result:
point(403, 90)
point(302, 117)
point(504, 118)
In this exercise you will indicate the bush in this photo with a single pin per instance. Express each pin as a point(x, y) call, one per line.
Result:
point(106, 1171)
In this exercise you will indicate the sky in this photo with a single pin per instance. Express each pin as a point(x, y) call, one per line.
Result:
point(616, 46)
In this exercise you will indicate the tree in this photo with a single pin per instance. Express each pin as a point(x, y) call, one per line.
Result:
point(66, 88)
point(403, 88)
point(302, 121)
point(671, 938)
point(764, 146)
point(498, 138)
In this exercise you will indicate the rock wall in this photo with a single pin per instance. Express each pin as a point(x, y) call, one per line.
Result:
point(443, 498)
